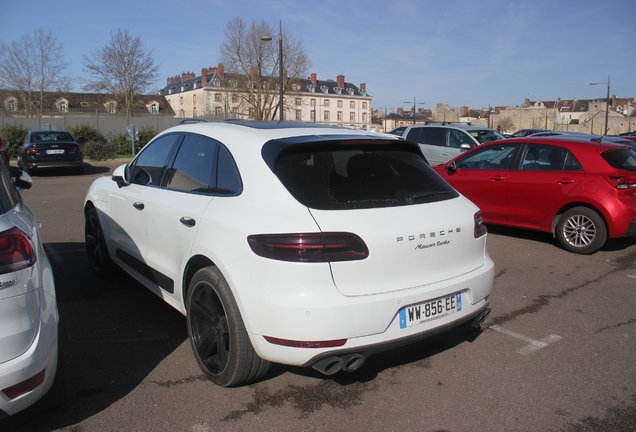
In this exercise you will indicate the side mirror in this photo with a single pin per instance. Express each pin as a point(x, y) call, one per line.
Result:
point(465, 146)
point(452, 167)
point(121, 176)
point(22, 179)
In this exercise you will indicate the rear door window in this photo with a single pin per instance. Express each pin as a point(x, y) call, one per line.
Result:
point(336, 177)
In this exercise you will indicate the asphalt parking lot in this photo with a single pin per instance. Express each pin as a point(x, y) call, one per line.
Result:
point(556, 354)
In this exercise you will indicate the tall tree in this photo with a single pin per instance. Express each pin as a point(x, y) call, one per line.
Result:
point(123, 68)
point(256, 63)
point(33, 64)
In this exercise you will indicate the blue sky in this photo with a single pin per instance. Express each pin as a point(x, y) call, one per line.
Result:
point(476, 53)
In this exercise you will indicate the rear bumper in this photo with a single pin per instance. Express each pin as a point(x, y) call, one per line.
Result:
point(53, 165)
point(368, 323)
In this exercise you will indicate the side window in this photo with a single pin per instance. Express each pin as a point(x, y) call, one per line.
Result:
point(490, 158)
point(228, 178)
point(194, 167)
point(148, 167)
point(414, 135)
point(548, 158)
point(433, 136)
point(456, 138)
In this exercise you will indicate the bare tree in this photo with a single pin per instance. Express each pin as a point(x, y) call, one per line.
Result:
point(255, 63)
point(33, 64)
point(123, 68)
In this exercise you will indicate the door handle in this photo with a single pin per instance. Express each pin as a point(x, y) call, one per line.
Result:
point(497, 178)
point(138, 206)
point(565, 181)
point(189, 222)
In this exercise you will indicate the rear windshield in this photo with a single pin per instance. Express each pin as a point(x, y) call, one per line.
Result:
point(356, 177)
point(46, 137)
point(621, 158)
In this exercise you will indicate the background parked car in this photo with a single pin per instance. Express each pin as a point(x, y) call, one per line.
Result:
point(582, 191)
point(50, 149)
point(28, 308)
point(399, 131)
point(292, 243)
point(441, 143)
point(526, 132)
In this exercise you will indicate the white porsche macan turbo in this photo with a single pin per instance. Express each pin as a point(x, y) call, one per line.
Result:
point(292, 243)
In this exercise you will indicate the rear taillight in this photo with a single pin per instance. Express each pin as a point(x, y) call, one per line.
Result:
point(309, 247)
point(621, 181)
point(480, 228)
point(16, 251)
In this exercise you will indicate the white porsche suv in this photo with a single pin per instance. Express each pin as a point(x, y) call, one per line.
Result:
point(292, 243)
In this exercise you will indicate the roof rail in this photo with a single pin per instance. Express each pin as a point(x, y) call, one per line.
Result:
point(192, 120)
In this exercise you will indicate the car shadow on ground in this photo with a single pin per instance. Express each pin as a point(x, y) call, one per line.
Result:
point(614, 244)
point(112, 333)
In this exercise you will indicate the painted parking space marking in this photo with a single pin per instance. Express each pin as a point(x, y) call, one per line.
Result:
point(533, 345)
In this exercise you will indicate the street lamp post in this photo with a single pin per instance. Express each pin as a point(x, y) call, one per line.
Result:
point(414, 109)
point(607, 101)
point(280, 64)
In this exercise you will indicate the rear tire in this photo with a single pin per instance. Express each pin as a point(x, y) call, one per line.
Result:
point(217, 333)
point(96, 250)
point(581, 230)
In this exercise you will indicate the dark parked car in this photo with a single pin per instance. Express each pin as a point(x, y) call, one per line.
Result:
point(47, 149)
point(526, 132)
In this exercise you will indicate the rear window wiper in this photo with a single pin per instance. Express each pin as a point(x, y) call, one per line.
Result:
point(416, 196)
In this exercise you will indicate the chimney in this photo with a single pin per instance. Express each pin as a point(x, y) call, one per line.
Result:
point(221, 70)
point(204, 76)
point(400, 111)
point(526, 101)
point(313, 78)
point(341, 81)
point(363, 86)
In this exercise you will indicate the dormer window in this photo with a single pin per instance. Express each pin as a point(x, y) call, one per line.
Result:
point(311, 88)
point(216, 82)
point(350, 91)
point(12, 105)
point(63, 107)
point(324, 89)
point(84, 104)
point(337, 90)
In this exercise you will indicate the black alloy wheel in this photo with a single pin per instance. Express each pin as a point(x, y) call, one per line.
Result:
point(218, 337)
point(96, 249)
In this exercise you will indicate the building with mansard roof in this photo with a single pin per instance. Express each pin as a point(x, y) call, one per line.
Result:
point(216, 94)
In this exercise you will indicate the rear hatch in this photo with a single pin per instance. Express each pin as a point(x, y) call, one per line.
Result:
point(417, 228)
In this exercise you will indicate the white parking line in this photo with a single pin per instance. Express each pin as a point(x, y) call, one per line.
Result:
point(533, 345)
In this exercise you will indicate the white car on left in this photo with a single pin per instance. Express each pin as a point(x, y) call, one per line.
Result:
point(28, 306)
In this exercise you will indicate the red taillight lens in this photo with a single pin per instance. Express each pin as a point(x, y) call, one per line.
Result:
point(621, 181)
point(305, 344)
point(480, 228)
point(25, 386)
point(16, 251)
point(309, 247)
point(30, 150)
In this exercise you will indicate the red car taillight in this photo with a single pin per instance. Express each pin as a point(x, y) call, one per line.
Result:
point(480, 228)
point(309, 247)
point(621, 181)
point(16, 251)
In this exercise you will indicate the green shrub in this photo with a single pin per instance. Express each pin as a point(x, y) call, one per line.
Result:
point(145, 135)
point(99, 150)
point(13, 136)
point(85, 133)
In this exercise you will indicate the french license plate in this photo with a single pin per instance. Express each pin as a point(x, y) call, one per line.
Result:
point(430, 310)
point(57, 151)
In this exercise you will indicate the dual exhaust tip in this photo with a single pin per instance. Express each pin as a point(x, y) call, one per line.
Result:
point(333, 364)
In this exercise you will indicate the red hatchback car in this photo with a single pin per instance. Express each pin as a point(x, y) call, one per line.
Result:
point(582, 191)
